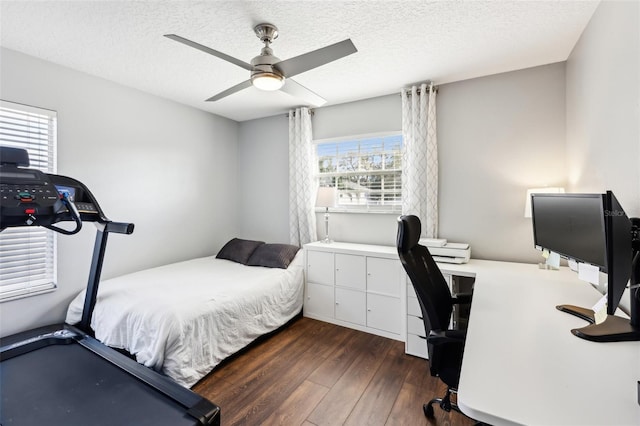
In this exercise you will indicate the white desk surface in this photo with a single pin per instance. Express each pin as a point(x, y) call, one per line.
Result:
point(521, 363)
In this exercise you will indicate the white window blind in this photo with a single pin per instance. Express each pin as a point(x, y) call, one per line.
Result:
point(28, 254)
point(367, 171)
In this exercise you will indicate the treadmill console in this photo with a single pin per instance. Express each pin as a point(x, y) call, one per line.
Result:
point(27, 197)
point(76, 195)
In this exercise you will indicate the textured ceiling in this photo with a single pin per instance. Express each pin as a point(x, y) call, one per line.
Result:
point(398, 42)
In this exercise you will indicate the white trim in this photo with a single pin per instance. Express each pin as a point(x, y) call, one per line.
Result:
point(28, 108)
point(361, 136)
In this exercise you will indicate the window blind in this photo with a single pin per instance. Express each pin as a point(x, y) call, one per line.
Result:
point(28, 254)
point(367, 171)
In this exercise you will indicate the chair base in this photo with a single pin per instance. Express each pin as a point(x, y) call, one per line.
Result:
point(446, 404)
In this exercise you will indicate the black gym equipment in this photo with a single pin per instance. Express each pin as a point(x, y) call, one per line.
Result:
point(60, 374)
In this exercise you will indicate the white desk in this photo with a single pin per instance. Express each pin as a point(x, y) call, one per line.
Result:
point(521, 363)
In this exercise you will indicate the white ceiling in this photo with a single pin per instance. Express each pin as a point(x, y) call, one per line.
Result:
point(398, 42)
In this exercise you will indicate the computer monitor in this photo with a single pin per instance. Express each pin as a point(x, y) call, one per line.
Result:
point(591, 228)
point(572, 225)
point(619, 251)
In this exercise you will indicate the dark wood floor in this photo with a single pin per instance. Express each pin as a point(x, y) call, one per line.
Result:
point(315, 373)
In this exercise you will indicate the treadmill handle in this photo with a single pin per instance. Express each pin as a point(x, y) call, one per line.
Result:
point(75, 215)
point(116, 227)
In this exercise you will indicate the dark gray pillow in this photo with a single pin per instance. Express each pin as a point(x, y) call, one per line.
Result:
point(239, 250)
point(273, 255)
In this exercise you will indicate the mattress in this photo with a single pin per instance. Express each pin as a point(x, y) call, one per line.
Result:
point(183, 319)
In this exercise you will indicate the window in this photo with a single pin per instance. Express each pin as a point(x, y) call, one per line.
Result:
point(28, 254)
point(366, 170)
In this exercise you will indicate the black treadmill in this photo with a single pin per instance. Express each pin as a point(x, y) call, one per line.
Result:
point(60, 374)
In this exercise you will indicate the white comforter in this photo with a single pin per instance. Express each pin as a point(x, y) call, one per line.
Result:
point(184, 319)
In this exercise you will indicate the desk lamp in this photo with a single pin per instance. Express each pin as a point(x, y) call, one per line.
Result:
point(326, 198)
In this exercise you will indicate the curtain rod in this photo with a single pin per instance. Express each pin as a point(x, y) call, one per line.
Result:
point(311, 113)
point(435, 89)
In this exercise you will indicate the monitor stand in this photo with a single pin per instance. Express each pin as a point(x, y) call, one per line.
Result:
point(584, 313)
point(613, 329)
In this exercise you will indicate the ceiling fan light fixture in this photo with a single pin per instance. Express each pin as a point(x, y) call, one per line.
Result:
point(268, 81)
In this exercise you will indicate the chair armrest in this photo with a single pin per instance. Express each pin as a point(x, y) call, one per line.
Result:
point(446, 336)
point(461, 298)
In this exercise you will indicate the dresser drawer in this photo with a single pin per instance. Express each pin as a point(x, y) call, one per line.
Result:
point(320, 267)
point(382, 313)
point(415, 325)
point(411, 292)
point(417, 345)
point(413, 307)
point(383, 276)
point(351, 271)
point(351, 305)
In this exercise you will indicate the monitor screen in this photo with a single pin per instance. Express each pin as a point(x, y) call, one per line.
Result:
point(572, 225)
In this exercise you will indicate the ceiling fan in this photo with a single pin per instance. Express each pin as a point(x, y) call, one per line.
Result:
point(269, 72)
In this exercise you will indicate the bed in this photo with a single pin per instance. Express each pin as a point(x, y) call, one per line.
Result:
point(183, 319)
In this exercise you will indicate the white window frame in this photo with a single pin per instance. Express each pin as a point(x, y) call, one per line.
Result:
point(28, 255)
point(394, 206)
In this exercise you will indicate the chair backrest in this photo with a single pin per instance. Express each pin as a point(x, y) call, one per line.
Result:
point(431, 288)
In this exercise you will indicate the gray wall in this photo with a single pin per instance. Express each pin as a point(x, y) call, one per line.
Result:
point(263, 179)
point(497, 136)
point(603, 108)
point(603, 105)
point(153, 162)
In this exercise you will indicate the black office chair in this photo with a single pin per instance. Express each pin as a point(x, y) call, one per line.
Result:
point(444, 345)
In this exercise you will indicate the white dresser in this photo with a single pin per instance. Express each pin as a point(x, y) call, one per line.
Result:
point(365, 287)
point(357, 286)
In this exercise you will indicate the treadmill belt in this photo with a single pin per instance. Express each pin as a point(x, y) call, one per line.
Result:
point(70, 385)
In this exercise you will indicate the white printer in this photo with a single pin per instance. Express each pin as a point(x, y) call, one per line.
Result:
point(443, 251)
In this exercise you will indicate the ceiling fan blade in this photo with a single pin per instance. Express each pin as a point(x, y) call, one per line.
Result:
point(210, 51)
point(305, 62)
point(230, 91)
point(297, 90)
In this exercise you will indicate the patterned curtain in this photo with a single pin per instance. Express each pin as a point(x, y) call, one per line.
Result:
point(302, 185)
point(420, 157)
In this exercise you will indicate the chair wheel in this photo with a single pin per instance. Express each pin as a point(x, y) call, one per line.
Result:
point(428, 411)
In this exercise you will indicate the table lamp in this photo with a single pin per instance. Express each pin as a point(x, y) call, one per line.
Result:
point(326, 198)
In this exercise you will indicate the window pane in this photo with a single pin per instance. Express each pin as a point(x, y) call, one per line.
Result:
point(367, 171)
point(27, 254)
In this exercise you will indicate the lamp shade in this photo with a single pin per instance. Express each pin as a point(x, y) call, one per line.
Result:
point(326, 196)
point(546, 190)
